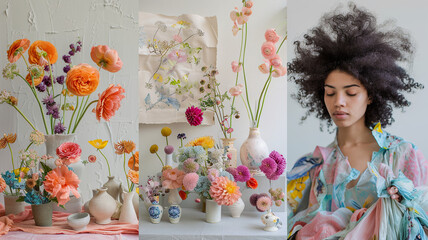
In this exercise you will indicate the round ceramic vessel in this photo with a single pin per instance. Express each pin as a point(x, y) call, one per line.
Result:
point(78, 221)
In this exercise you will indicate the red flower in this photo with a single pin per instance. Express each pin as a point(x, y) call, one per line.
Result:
point(194, 115)
point(183, 194)
point(252, 183)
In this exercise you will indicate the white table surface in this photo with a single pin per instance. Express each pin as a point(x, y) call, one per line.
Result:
point(192, 226)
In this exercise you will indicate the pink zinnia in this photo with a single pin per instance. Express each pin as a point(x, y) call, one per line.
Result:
point(232, 171)
point(263, 203)
point(190, 180)
point(60, 182)
point(109, 102)
point(280, 161)
point(224, 191)
point(253, 199)
point(172, 178)
point(69, 152)
point(268, 50)
point(194, 115)
point(271, 36)
point(268, 166)
point(243, 174)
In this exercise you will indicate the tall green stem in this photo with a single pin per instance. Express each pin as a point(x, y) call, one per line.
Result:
point(72, 116)
point(163, 165)
point(245, 77)
point(108, 165)
point(124, 169)
point(22, 114)
point(11, 155)
point(77, 123)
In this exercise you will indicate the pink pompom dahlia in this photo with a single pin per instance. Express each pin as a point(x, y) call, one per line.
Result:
point(194, 116)
point(190, 180)
point(243, 174)
point(224, 191)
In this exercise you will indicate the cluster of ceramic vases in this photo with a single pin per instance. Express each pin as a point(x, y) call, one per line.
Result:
point(174, 210)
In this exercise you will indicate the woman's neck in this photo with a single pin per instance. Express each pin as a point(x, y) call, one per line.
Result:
point(356, 134)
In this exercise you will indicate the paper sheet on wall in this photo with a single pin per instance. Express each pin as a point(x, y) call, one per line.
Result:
point(172, 52)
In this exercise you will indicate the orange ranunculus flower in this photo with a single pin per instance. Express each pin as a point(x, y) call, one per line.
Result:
point(37, 81)
point(131, 165)
point(133, 176)
point(82, 79)
point(106, 58)
point(17, 49)
point(109, 102)
point(41, 52)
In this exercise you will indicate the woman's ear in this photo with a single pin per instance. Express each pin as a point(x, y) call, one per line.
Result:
point(369, 101)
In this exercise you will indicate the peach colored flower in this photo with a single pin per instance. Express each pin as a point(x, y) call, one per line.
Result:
point(279, 72)
point(124, 147)
point(42, 49)
point(3, 185)
point(30, 183)
point(59, 182)
point(242, 19)
point(69, 152)
point(131, 164)
point(236, 67)
point(275, 61)
point(133, 176)
point(271, 36)
point(234, 15)
point(235, 29)
point(264, 68)
point(236, 90)
point(172, 178)
point(268, 50)
point(17, 49)
point(246, 11)
point(249, 4)
point(92, 158)
point(82, 79)
point(177, 38)
point(106, 58)
point(109, 102)
point(190, 181)
point(224, 191)
point(36, 81)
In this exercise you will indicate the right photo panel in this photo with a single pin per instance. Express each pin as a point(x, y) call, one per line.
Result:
point(356, 107)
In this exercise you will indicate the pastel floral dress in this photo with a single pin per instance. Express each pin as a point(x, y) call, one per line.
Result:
point(321, 206)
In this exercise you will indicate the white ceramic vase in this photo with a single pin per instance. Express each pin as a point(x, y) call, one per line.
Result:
point(272, 223)
point(213, 211)
point(228, 142)
point(174, 197)
point(155, 212)
point(74, 205)
point(253, 151)
point(127, 213)
point(136, 203)
point(102, 206)
point(11, 206)
point(237, 208)
point(168, 160)
point(174, 213)
point(114, 188)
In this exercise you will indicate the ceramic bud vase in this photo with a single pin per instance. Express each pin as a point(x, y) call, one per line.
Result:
point(114, 188)
point(174, 197)
point(102, 206)
point(42, 214)
point(155, 211)
point(127, 213)
point(174, 213)
point(237, 208)
point(11, 206)
point(213, 211)
point(253, 151)
point(168, 159)
point(86, 205)
point(272, 223)
point(136, 203)
point(231, 150)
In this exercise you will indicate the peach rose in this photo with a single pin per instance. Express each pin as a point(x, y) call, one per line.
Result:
point(16, 49)
point(268, 50)
point(82, 79)
point(106, 58)
point(42, 49)
point(271, 36)
point(109, 102)
point(69, 152)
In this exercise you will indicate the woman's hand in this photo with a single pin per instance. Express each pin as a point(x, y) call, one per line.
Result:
point(393, 191)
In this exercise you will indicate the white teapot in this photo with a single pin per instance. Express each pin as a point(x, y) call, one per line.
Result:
point(272, 223)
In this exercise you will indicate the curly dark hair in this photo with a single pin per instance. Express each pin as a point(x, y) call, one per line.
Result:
point(352, 42)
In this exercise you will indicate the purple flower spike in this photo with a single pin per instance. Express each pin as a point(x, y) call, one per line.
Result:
point(72, 46)
point(66, 68)
point(71, 53)
point(47, 68)
point(60, 79)
point(243, 174)
point(66, 59)
point(41, 87)
point(47, 80)
point(78, 48)
point(59, 128)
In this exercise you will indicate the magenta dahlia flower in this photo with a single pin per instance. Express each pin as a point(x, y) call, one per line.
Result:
point(268, 166)
point(280, 161)
point(243, 174)
point(194, 115)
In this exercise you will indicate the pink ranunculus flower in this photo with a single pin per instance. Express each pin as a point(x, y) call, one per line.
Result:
point(106, 58)
point(276, 61)
point(235, 29)
point(178, 55)
point(69, 152)
point(246, 11)
point(249, 4)
point(234, 15)
point(172, 178)
point(236, 90)
point(271, 36)
point(229, 130)
point(236, 67)
point(242, 19)
point(268, 50)
point(279, 72)
point(190, 181)
point(60, 182)
point(177, 38)
point(109, 102)
point(264, 68)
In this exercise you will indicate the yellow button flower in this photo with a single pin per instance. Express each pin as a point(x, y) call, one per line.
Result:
point(98, 143)
point(166, 131)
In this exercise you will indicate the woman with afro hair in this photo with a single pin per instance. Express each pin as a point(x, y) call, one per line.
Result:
point(367, 184)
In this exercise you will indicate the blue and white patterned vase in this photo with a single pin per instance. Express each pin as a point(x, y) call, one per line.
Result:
point(155, 212)
point(174, 213)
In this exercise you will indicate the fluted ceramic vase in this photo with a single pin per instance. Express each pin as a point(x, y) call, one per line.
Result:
point(127, 212)
point(102, 206)
point(231, 151)
point(253, 151)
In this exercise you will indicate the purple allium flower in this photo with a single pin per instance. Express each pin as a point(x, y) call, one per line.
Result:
point(181, 136)
point(66, 58)
point(268, 166)
point(232, 171)
point(78, 48)
point(66, 68)
point(41, 87)
point(47, 80)
point(72, 46)
point(253, 199)
point(189, 165)
point(243, 174)
point(71, 53)
point(60, 79)
point(194, 115)
point(48, 100)
point(59, 128)
point(168, 149)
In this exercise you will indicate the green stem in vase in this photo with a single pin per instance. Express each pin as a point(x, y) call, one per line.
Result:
point(245, 77)
point(31, 143)
point(108, 165)
point(163, 165)
point(72, 116)
point(77, 123)
point(124, 169)
point(22, 114)
point(11, 155)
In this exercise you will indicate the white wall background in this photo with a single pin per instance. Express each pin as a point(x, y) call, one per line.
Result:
point(96, 22)
point(266, 14)
point(411, 124)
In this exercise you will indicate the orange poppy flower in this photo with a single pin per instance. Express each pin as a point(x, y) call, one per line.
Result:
point(82, 79)
point(133, 176)
point(131, 164)
point(17, 49)
point(42, 51)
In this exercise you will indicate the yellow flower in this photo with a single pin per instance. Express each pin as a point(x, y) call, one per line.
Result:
point(166, 131)
point(166, 167)
point(154, 148)
point(98, 143)
point(206, 142)
point(158, 77)
point(24, 170)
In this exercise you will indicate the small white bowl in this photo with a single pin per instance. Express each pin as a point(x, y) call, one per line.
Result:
point(78, 221)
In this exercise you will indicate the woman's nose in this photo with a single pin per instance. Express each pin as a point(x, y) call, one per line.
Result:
point(340, 100)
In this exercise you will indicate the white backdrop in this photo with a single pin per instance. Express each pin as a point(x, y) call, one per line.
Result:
point(411, 125)
point(266, 14)
point(97, 22)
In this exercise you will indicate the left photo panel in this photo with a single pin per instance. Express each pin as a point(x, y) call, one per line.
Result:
point(69, 157)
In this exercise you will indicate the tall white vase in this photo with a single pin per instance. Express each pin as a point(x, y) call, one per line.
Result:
point(228, 142)
point(253, 151)
point(127, 213)
point(213, 211)
point(174, 197)
point(237, 208)
point(102, 206)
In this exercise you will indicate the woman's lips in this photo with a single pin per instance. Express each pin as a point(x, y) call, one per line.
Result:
point(340, 115)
